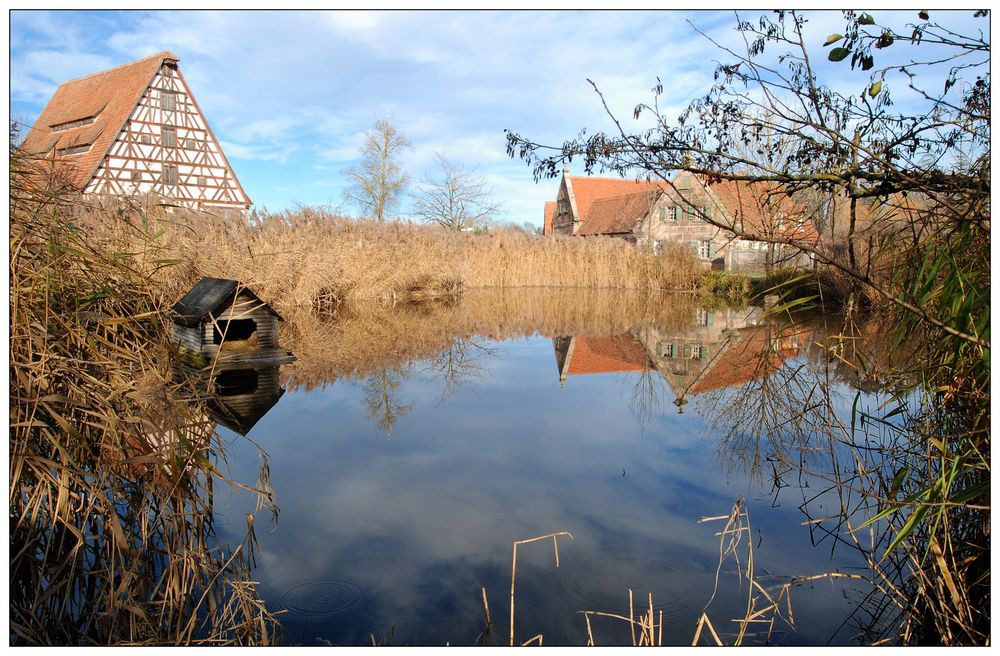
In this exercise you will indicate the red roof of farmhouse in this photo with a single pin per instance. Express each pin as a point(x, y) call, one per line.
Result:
point(588, 190)
point(754, 205)
point(618, 215)
point(108, 97)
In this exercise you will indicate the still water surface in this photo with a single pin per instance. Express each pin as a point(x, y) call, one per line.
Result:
point(410, 449)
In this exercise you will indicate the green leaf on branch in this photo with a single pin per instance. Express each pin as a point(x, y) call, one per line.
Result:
point(866, 19)
point(838, 54)
point(874, 89)
point(833, 38)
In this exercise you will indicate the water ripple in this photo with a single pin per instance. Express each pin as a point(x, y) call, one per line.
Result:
point(323, 597)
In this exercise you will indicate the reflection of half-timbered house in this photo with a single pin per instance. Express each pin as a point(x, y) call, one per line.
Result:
point(135, 129)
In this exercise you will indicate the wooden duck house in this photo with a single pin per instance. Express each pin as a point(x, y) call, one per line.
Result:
point(220, 316)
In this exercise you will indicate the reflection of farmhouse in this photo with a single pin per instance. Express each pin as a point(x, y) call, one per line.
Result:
point(720, 349)
point(598, 355)
point(705, 358)
point(653, 213)
point(135, 129)
point(222, 315)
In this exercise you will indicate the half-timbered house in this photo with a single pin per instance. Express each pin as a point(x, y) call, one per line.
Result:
point(135, 129)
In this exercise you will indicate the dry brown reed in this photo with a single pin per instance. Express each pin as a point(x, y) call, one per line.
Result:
point(111, 469)
point(308, 258)
point(513, 575)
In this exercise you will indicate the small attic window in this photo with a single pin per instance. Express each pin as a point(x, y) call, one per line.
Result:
point(145, 138)
point(74, 150)
point(59, 127)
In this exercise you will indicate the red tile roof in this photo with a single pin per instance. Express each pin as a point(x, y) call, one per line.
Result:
point(550, 211)
point(588, 190)
point(107, 97)
point(601, 355)
point(754, 207)
point(618, 215)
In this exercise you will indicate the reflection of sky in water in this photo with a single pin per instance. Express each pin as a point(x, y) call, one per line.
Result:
point(403, 532)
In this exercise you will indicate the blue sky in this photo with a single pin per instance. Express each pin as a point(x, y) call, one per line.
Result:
point(289, 94)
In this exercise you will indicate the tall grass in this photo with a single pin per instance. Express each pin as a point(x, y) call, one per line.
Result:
point(307, 258)
point(112, 462)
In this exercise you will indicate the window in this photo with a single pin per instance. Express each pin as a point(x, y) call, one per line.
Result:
point(145, 138)
point(191, 144)
point(136, 176)
point(74, 150)
point(73, 124)
point(201, 181)
point(675, 213)
point(699, 352)
point(563, 206)
point(168, 100)
point(168, 136)
point(705, 249)
point(703, 317)
point(669, 350)
point(169, 174)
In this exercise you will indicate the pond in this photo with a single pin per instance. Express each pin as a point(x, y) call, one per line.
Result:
point(409, 448)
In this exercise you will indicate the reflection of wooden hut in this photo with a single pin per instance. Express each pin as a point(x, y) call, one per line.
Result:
point(242, 396)
point(219, 314)
point(235, 394)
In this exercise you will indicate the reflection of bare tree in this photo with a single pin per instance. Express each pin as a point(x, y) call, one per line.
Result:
point(381, 390)
point(648, 396)
point(463, 361)
point(780, 409)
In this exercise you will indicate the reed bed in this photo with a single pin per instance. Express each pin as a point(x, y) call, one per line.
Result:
point(112, 459)
point(312, 259)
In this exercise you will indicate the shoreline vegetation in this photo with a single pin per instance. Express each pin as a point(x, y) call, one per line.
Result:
point(95, 495)
point(308, 258)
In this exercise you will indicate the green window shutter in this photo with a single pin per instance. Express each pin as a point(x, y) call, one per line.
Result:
point(703, 353)
point(687, 351)
point(711, 249)
point(663, 214)
point(711, 318)
point(708, 211)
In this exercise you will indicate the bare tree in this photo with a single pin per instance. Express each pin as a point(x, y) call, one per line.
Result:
point(460, 200)
point(377, 185)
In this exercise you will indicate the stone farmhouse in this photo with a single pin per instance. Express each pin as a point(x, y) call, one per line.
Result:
point(135, 129)
point(653, 213)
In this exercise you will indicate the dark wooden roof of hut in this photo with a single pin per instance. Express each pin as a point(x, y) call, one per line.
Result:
point(209, 295)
